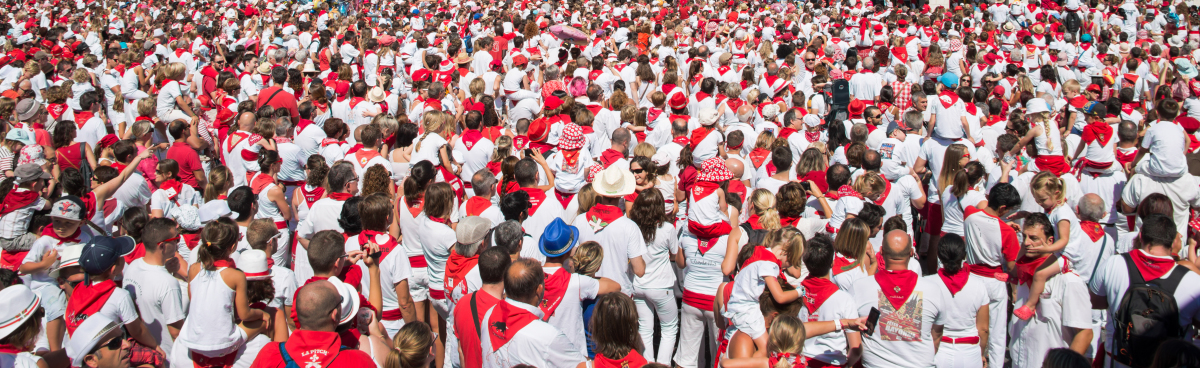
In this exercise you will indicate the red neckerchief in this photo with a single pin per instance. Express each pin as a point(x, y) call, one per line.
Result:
point(470, 137)
point(956, 281)
point(758, 155)
point(631, 360)
point(340, 197)
point(698, 136)
point(753, 221)
point(311, 196)
point(816, 291)
point(476, 205)
point(842, 264)
point(1026, 267)
point(354, 101)
point(443, 221)
point(681, 140)
point(948, 98)
point(56, 110)
point(86, 301)
point(812, 136)
point(570, 158)
point(172, 188)
point(10, 349)
point(1150, 266)
point(329, 141)
point(700, 96)
point(897, 286)
point(314, 347)
point(1093, 229)
point(847, 190)
point(364, 155)
point(788, 221)
point(602, 215)
point(707, 235)
point(704, 188)
point(536, 198)
point(887, 189)
point(82, 117)
point(73, 238)
point(556, 289)
point(386, 247)
point(457, 267)
point(594, 108)
point(17, 199)
point(971, 108)
point(787, 132)
point(609, 156)
point(504, 323)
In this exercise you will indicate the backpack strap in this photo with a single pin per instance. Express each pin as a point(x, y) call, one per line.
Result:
point(1100, 255)
point(1135, 277)
point(288, 362)
point(1168, 284)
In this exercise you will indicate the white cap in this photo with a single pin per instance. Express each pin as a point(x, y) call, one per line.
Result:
point(215, 209)
point(254, 263)
point(350, 302)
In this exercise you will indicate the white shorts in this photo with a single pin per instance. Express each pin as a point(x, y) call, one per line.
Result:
point(418, 284)
point(751, 323)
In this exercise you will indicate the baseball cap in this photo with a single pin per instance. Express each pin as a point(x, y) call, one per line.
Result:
point(67, 208)
point(102, 252)
point(1095, 108)
point(949, 79)
point(30, 172)
point(472, 229)
point(213, 210)
point(20, 135)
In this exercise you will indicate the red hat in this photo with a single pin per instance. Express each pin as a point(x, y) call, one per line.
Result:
point(1092, 88)
point(878, 27)
point(678, 101)
point(552, 102)
point(107, 140)
point(902, 22)
point(998, 91)
point(341, 89)
point(856, 107)
point(422, 75)
point(519, 59)
point(991, 59)
point(1188, 123)
point(538, 130)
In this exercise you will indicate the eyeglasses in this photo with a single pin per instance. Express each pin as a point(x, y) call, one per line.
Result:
point(810, 60)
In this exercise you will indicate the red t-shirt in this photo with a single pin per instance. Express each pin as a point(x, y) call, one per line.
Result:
point(312, 347)
point(465, 326)
point(281, 100)
point(189, 163)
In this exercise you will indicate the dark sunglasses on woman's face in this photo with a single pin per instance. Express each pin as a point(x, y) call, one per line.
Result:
point(637, 171)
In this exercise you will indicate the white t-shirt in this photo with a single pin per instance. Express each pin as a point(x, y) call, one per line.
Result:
point(392, 270)
point(660, 270)
point(934, 151)
point(621, 241)
point(831, 347)
point(903, 338)
point(962, 306)
point(1111, 281)
point(1064, 303)
point(158, 296)
point(134, 192)
point(748, 285)
point(568, 317)
point(954, 207)
point(1165, 141)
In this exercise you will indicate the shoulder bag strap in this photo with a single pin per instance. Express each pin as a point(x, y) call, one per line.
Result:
point(272, 97)
point(288, 362)
point(475, 312)
point(1103, 245)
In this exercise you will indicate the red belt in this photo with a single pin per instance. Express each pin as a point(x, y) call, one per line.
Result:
point(971, 340)
point(393, 315)
point(294, 183)
point(417, 262)
point(437, 294)
point(699, 301)
point(830, 229)
point(280, 225)
point(994, 272)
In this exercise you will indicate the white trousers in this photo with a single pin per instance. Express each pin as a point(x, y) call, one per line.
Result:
point(958, 356)
point(662, 303)
point(998, 321)
point(694, 325)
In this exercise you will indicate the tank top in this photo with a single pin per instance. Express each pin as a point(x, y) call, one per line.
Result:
point(266, 207)
point(211, 302)
point(70, 157)
point(1054, 138)
point(409, 225)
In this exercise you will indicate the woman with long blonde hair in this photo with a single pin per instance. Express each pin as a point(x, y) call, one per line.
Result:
point(761, 210)
point(412, 347)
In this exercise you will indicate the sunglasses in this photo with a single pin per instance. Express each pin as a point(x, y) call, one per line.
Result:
point(114, 344)
point(637, 171)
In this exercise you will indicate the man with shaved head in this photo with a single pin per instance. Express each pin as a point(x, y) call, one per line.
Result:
point(317, 341)
point(516, 326)
point(911, 309)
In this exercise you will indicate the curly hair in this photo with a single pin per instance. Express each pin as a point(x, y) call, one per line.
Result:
point(376, 180)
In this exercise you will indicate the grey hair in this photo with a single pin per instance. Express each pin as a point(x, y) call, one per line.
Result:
point(552, 72)
point(509, 236)
point(283, 127)
point(281, 55)
point(483, 182)
point(1091, 208)
point(733, 90)
point(301, 55)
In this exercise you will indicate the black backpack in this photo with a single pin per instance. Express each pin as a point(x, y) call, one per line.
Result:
point(1073, 23)
point(753, 236)
point(1146, 317)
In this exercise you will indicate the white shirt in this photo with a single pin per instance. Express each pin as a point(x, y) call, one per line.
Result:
point(158, 296)
point(393, 269)
point(660, 271)
point(1111, 281)
point(311, 225)
point(621, 241)
point(1165, 141)
point(538, 344)
point(474, 158)
point(1064, 303)
point(568, 317)
point(961, 307)
point(831, 347)
point(903, 338)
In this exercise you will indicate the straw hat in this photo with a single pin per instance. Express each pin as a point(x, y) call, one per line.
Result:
point(264, 68)
point(462, 58)
point(309, 67)
point(615, 181)
point(376, 94)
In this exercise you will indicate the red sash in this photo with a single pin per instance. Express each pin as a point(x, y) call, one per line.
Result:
point(556, 289)
point(698, 136)
point(86, 301)
point(454, 181)
point(1055, 164)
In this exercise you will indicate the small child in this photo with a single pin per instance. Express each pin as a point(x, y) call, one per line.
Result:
point(1127, 150)
point(56, 104)
point(99, 294)
point(262, 235)
point(763, 270)
point(787, 345)
point(43, 257)
point(1038, 264)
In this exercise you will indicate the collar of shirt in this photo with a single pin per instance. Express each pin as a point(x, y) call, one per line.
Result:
point(532, 309)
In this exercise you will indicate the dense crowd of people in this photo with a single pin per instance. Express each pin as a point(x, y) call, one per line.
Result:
point(546, 183)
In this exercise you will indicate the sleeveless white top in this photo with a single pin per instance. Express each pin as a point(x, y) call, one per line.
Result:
point(212, 303)
point(409, 227)
point(1054, 138)
point(267, 208)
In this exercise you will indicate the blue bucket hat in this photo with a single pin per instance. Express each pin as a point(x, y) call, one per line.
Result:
point(1086, 38)
point(558, 238)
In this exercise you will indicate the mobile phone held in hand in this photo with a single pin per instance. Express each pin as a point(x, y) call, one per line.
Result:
point(872, 320)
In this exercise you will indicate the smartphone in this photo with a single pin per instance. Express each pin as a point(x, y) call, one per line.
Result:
point(872, 320)
point(804, 185)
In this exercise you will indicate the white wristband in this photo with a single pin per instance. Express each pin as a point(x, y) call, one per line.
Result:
point(837, 325)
